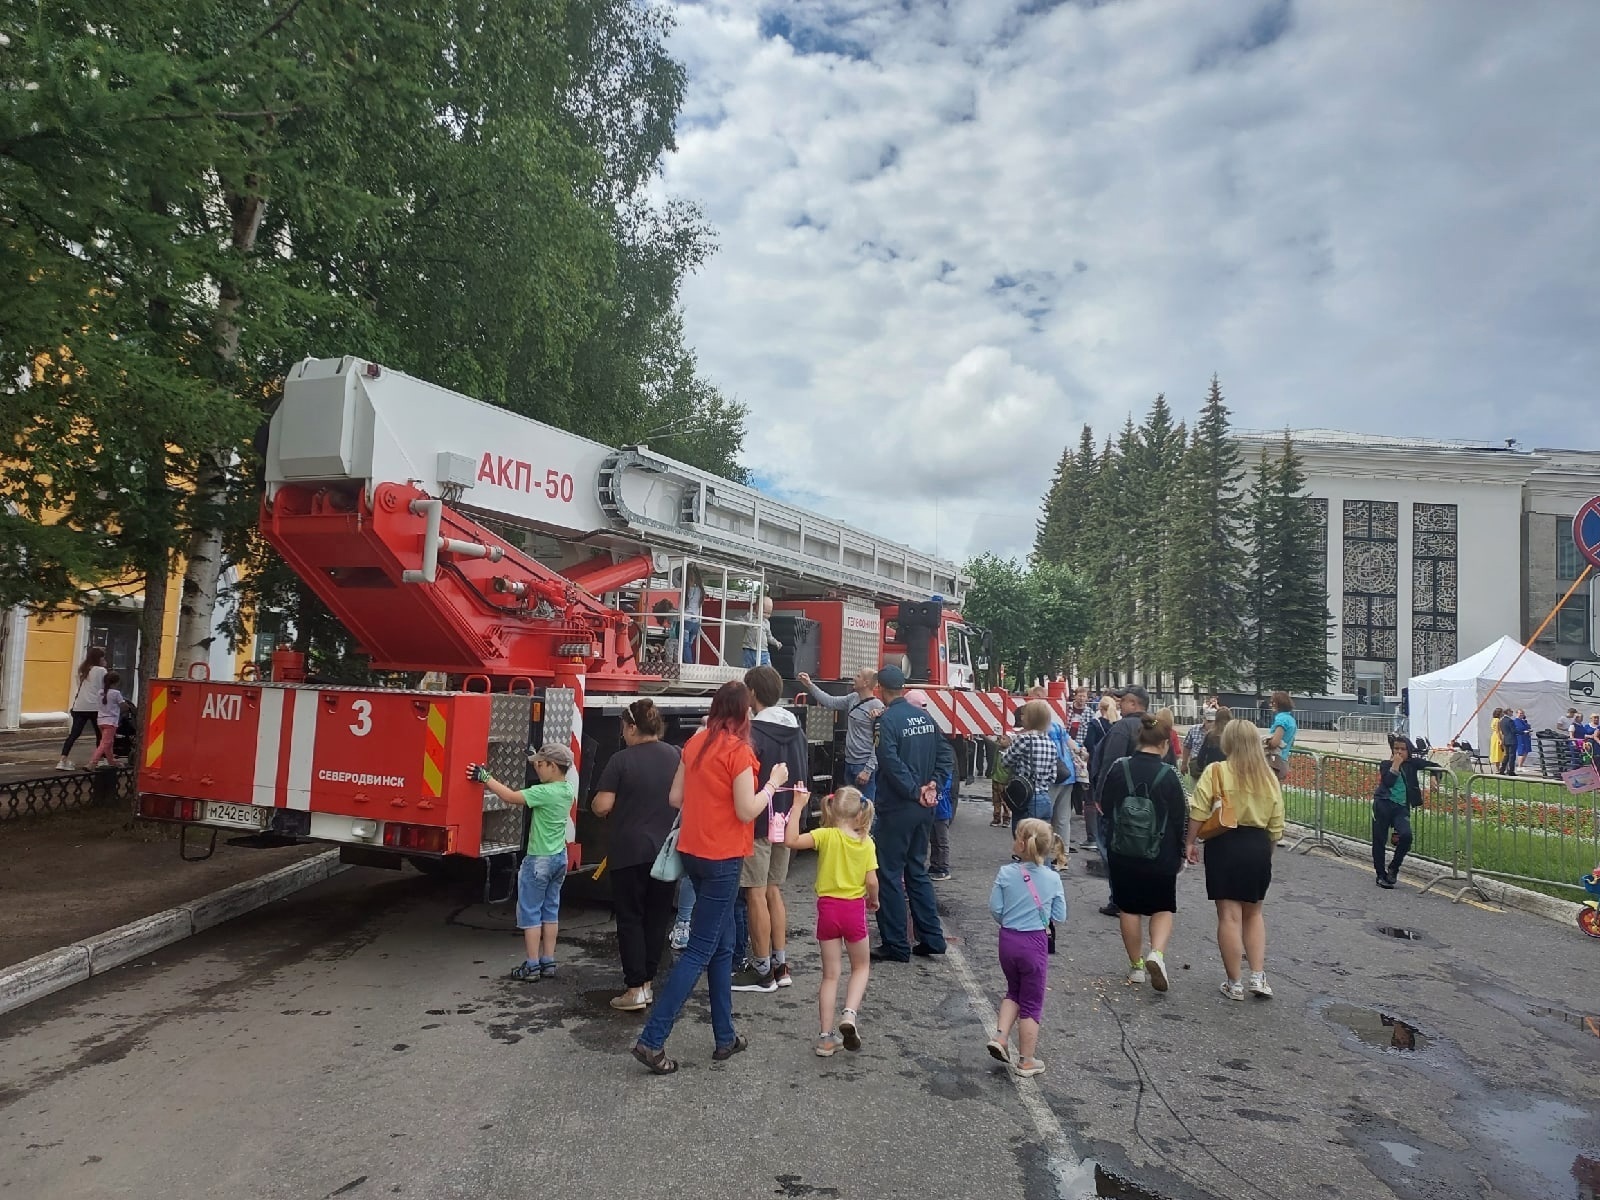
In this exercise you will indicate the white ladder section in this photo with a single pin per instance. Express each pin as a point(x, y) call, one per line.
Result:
point(711, 514)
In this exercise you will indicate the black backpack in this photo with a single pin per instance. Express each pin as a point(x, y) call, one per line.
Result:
point(1140, 823)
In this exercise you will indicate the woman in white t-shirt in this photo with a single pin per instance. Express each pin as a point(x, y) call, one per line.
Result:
point(85, 701)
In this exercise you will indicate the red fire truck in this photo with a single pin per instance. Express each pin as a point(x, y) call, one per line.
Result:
point(545, 581)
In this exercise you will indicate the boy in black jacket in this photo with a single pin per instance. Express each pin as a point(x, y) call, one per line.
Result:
point(1397, 793)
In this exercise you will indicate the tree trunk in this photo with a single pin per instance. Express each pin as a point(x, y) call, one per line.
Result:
point(202, 572)
point(152, 621)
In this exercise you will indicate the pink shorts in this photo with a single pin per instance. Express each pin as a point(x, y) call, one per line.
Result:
point(841, 918)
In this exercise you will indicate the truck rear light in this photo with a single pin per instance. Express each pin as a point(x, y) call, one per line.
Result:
point(430, 839)
point(168, 808)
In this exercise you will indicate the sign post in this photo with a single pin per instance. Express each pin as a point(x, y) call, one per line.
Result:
point(1586, 534)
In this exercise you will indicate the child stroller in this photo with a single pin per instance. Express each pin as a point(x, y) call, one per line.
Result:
point(127, 735)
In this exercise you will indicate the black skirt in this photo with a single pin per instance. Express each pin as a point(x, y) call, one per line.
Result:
point(1239, 865)
point(1143, 893)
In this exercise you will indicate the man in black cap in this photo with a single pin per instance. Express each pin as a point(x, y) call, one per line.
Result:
point(912, 753)
point(1121, 741)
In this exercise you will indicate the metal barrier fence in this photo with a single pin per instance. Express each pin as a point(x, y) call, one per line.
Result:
point(1512, 828)
point(1356, 730)
point(64, 791)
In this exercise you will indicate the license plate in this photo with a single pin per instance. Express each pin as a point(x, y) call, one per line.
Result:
point(235, 816)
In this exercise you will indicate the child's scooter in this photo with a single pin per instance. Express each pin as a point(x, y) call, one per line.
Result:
point(1589, 914)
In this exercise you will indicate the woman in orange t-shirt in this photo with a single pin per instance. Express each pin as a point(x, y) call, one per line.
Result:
point(716, 790)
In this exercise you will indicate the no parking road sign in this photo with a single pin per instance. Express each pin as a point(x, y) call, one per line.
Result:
point(1586, 531)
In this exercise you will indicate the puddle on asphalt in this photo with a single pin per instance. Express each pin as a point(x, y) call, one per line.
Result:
point(1406, 1156)
point(1583, 1021)
point(1394, 931)
point(1114, 1187)
point(1378, 1028)
point(1544, 1140)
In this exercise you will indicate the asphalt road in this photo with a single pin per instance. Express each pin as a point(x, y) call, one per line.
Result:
point(360, 1040)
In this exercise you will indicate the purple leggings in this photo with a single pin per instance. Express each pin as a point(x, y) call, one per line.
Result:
point(1023, 958)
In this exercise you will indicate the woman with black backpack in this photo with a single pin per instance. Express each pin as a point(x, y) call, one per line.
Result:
point(1145, 818)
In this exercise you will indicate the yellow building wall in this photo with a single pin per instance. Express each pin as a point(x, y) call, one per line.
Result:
point(50, 668)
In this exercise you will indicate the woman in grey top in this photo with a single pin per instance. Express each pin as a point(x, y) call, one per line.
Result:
point(861, 708)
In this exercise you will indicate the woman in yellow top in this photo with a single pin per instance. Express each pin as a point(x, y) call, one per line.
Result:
point(1496, 745)
point(1239, 860)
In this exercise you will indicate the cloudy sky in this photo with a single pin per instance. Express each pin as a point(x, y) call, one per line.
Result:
point(953, 231)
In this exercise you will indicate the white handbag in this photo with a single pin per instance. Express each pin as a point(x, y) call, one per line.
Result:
point(668, 867)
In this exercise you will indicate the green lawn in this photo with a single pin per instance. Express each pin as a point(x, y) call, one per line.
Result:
point(1531, 831)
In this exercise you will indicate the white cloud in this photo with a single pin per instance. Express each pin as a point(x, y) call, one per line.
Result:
point(952, 233)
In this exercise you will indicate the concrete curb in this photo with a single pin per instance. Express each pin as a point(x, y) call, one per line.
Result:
point(54, 970)
point(1507, 895)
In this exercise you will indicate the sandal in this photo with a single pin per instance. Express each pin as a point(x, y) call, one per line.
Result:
point(656, 1060)
point(724, 1053)
point(998, 1049)
point(1027, 1068)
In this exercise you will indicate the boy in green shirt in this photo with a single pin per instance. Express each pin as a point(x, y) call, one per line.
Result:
point(545, 868)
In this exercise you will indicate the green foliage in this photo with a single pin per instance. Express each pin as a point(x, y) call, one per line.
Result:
point(1036, 616)
point(193, 196)
point(1290, 616)
point(1203, 573)
point(1183, 577)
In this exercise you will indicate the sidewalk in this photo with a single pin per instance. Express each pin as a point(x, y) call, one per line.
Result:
point(73, 875)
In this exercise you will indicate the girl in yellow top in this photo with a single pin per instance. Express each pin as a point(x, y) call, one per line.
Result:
point(1239, 860)
point(847, 889)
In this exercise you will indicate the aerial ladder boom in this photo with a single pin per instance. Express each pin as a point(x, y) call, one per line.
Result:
point(374, 480)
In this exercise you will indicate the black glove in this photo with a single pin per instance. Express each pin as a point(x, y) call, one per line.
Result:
point(479, 773)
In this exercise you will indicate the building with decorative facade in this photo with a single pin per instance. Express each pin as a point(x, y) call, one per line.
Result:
point(1434, 549)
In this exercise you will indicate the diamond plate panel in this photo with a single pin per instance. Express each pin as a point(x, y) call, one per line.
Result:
point(819, 723)
point(559, 704)
point(502, 830)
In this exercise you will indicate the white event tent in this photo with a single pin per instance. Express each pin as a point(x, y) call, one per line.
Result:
point(1442, 700)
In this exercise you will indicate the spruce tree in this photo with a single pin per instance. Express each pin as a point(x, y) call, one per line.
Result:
point(1298, 635)
point(1258, 540)
point(1157, 458)
point(1051, 538)
point(1289, 617)
point(1203, 576)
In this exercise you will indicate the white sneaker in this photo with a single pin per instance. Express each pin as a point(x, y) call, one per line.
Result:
point(1137, 974)
point(1155, 965)
point(64, 765)
point(1259, 987)
point(1233, 989)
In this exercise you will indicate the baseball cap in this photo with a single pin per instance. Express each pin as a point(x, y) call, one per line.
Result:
point(1136, 690)
point(917, 697)
point(892, 678)
point(554, 753)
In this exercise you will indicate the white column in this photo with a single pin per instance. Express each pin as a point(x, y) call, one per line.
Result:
point(1336, 592)
point(1404, 596)
point(13, 654)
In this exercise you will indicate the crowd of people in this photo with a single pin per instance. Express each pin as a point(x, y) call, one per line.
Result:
point(730, 809)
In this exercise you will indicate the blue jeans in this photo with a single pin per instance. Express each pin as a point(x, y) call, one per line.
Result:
point(903, 830)
point(539, 889)
point(691, 639)
point(741, 928)
point(869, 789)
point(752, 659)
point(685, 898)
point(1041, 809)
point(710, 952)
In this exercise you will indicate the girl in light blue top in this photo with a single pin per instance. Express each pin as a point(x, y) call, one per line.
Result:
point(1027, 896)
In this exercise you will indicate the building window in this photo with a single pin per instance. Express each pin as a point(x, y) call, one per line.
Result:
point(1572, 622)
point(1371, 586)
point(1433, 587)
point(1569, 563)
